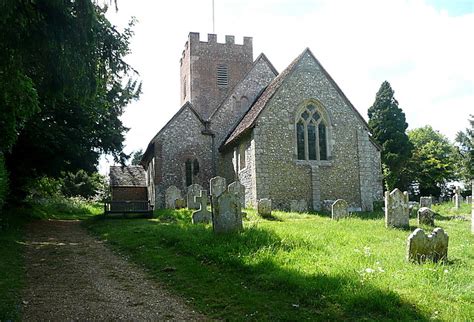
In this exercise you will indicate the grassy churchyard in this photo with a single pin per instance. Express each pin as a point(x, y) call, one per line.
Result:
point(302, 266)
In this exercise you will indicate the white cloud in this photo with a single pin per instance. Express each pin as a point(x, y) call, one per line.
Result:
point(424, 53)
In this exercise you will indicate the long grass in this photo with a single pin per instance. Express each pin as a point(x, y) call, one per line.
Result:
point(300, 266)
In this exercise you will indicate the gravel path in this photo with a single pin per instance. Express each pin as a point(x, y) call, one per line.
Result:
point(72, 276)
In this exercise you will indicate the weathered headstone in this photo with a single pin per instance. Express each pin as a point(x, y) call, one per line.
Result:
point(171, 194)
point(239, 189)
point(264, 207)
point(426, 216)
point(457, 198)
point(180, 203)
point(218, 186)
point(396, 209)
point(298, 205)
point(426, 202)
point(339, 209)
point(421, 247)
point(194, 190)
point(202, 215)
point(468, 200)
point(227, 215)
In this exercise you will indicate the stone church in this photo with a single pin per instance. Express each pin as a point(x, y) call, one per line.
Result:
point(291, 136)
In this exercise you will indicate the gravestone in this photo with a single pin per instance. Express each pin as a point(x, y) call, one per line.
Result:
point(218, 186)
point(468, 200)
point(426, 216)
point(264, 207)
point(421, 247)
point(171, 194)
point(339, 209)
point(457, 198)
point(239, 189)
point(426, 202)
point(202, 215)
point(227, 215)
point(396, 209)
point(298, 205)
point(180, 203)
point(194, 190)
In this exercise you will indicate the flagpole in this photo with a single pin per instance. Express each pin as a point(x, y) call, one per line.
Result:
point(213, 21)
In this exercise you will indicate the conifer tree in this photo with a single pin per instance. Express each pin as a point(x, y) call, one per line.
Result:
point(388, 126)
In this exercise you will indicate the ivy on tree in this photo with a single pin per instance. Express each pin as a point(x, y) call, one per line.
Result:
point(388, 126)
point(64, 85)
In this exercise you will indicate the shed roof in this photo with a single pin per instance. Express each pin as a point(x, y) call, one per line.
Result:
point(127, 176)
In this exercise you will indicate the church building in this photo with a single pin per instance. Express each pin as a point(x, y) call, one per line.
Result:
point(290, 137)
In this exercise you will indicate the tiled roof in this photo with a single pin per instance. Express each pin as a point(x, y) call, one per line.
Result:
point(127, 176)
point(248, 121)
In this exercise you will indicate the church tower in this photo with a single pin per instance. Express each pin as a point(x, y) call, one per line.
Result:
point(209, 70)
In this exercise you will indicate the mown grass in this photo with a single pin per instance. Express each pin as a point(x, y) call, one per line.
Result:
point(300, 266)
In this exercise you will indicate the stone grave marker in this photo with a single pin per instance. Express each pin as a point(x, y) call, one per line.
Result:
point(426, 216)
point(218, 186)
point(180, 203)
point(264, 207)
point(194, 190)
point(239, 189)
point(421, 247)
point(171, 194)
point(468, 199)
point(202, 215)
point(227, 216)
point(426, 202)
point(396, 209)
point(339, 209)
point(457, 198)
point(298, 205)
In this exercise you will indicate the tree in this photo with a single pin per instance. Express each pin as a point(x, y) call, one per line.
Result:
point(433, 161)
point(465, 142)
point(137, 157)
point(388, 126)
point(82, 184)
point(70, 60)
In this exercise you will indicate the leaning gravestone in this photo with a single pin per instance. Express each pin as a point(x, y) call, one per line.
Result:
point(264, 207)
point(239, 189)
point(421, 247)
point(396, 209)
point(426, 202)
point(298, 205)
point(339, 209)
point(171, 195)
point(426, 216)
point(218, 186)
point(227, 215)
point(194, 190)
point(202, 215)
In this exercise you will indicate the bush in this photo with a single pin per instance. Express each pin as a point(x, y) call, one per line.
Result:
point(3, 181)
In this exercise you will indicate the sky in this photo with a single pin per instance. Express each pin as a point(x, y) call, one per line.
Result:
point(424, 48)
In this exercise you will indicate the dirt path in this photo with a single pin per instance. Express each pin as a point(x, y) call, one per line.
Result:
point(72, 276)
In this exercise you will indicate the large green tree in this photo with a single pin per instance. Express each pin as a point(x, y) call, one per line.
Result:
point(388, 126)
point(433, 161)
point(465, 140)
point(70, 87)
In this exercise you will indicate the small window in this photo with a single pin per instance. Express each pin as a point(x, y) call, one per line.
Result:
point(222, 76)
point(242, 159)
point(184, 88)
point(191, 170)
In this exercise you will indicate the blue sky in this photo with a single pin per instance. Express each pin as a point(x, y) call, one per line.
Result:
point(424, 48)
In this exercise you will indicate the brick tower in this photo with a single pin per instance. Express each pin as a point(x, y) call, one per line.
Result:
point(209, 70)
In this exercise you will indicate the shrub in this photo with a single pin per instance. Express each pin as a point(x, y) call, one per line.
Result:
point(3, 181)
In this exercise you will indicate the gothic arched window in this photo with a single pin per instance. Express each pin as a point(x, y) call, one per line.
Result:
point(192, 169)
point(311, 134)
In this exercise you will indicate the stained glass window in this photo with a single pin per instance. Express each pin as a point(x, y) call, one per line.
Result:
point(300, 140)
point(323, 154)
point(311, 141)
point(311, 134)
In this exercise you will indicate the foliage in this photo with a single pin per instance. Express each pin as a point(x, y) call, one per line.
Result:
point(466, 150)
point(12, 278)
point(69, 59)
point(388, 125)
point(299, 267)
point(3, 182)
point(82, 184)
point(433, 160)
point(137, 157)
point(63, 208)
